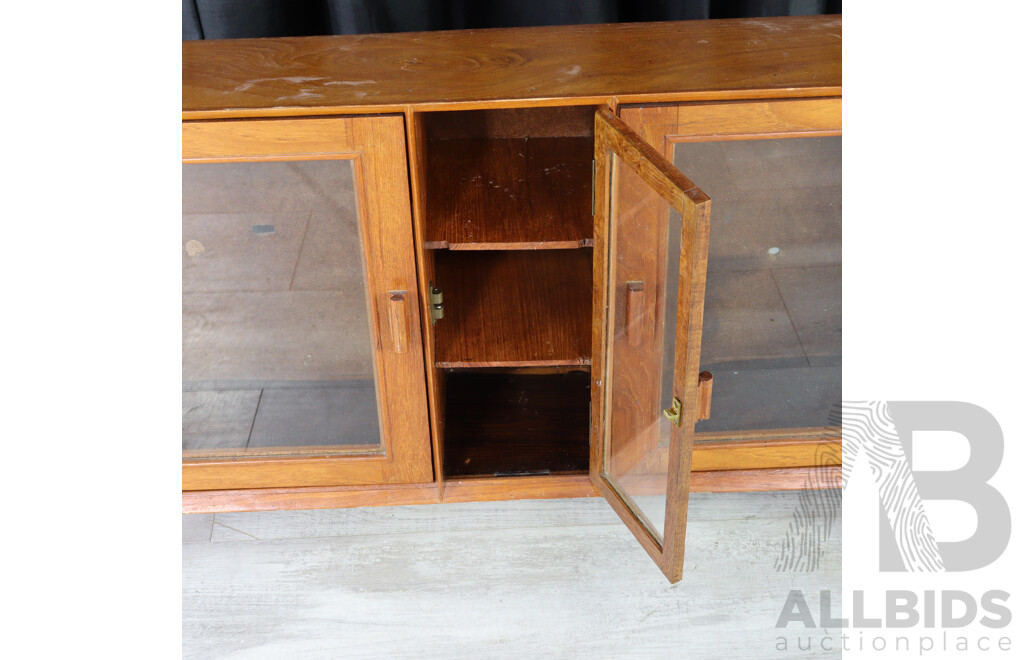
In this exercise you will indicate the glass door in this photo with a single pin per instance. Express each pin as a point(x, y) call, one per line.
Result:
point(301, 353)
point(277, 351)
point(772, 329)
point(650, 262)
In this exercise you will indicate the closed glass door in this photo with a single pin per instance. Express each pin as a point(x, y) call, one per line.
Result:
point(277, 355)
point(772, 331)
point(302, 361)
point(773, 312)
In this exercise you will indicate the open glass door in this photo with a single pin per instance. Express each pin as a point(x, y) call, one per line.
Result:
point(650, 261)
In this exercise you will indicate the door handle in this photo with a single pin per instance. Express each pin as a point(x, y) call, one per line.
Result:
point(704, 382)
point(398, 315)
point(634, 311)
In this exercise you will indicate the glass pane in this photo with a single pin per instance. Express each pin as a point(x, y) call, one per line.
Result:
point(773, 306)
point(643, 278)
point(277, 355)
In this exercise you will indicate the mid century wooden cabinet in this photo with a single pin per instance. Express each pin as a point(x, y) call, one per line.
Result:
point(483, 265)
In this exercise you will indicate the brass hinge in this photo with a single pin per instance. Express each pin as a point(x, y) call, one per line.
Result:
point(436, 304)
point(673, 414)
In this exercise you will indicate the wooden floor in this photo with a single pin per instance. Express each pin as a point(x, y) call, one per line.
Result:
point(559, 578)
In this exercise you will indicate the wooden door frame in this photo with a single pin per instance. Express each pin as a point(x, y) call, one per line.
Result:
point(665, 125)
point(612, 135)
point(376, 145)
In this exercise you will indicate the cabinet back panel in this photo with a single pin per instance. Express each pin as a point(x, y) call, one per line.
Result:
point(511, 193)
point(510, 308)
point(565, 121)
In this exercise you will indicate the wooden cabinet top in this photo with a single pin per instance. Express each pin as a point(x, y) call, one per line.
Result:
point(465, 69)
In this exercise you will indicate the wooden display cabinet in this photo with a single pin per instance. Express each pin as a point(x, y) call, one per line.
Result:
point(489, 265)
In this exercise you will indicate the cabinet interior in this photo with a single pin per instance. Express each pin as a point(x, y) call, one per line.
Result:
point(512, 422)
point(509, 179)
point(507, 235)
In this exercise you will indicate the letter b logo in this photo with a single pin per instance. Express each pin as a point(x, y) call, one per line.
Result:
point(883, 431)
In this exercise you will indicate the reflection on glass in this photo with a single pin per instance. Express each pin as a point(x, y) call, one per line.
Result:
point(773, 307)
point(643, 290)
point(277, 354)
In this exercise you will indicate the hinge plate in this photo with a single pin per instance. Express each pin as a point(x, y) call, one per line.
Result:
point(674, 413)
point(436, 304)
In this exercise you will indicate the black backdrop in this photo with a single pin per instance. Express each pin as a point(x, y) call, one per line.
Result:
point(228, 19)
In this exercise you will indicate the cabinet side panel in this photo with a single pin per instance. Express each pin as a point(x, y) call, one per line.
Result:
point(418, 164)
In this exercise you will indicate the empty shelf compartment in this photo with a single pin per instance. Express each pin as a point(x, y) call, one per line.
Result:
point(514, 308)
point(511, 423)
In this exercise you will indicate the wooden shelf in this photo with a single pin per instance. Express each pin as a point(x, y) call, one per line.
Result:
point(507, 194)
point(514, 308)
point(508, 424)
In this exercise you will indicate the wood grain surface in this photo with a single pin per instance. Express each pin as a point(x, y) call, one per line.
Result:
point(506, 123)
point(514, 308)
point(560, 65)
point(705, 384)
point(487, 489)
point(288, 499)
point(503, 194)
point(737, 120)
point(415, 135)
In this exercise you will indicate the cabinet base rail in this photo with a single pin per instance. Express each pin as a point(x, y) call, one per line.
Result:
point(489, 489)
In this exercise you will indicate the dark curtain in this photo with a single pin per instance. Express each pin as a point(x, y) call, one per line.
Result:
point(232, 19)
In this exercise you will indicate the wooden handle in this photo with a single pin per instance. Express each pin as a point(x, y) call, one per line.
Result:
point(704, 383)
point(634, 312)
point(398, 314)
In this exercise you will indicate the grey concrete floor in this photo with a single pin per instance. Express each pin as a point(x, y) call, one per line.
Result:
point(561, 578)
